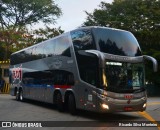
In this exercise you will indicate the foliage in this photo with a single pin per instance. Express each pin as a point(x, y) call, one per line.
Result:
point(133, 15)
point(15, 15)
point(2, 52)
point(18, 13)
point(141, 17)
point(12, 41)
point(46, 33)
point(23, 38)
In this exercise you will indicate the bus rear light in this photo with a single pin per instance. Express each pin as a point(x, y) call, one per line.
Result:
point(105, 106)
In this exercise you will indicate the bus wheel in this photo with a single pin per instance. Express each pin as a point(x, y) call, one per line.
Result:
point(72, 105)
point(59, 102)
point(21, 95)
point(17, 95)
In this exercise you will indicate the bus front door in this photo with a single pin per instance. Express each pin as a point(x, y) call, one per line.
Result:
point(90, 90)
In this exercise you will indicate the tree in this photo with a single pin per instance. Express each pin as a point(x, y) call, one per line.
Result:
point(24, 38)
point(11, 41)
point(1, 52)
point(132, 15)
point(141, 17)
point(46, 33)
point(16, 14)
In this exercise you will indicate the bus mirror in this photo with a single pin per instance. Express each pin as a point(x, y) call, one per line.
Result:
point(94, 54)
point(154, 61)
point(99, 54)
point(82, 52)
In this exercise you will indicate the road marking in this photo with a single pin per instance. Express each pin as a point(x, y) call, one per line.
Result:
point(147, 116)
point(153, 103)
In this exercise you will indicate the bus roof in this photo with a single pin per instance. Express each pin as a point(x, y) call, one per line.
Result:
point(100, 27)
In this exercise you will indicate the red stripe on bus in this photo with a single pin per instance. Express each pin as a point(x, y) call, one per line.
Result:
point(62, 86)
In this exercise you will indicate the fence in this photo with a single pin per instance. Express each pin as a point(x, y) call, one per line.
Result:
point(6, 88)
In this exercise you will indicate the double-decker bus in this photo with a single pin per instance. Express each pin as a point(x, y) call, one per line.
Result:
point(92, 68)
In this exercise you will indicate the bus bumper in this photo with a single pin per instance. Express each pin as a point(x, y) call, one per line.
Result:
point(119, 105)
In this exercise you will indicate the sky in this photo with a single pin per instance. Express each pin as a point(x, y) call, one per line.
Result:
point(74, 12)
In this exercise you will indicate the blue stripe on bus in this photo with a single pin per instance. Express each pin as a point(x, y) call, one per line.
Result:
point(38, 86)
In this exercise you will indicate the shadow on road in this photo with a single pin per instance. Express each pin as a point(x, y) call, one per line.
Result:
point(119, 116)
point(107, 116)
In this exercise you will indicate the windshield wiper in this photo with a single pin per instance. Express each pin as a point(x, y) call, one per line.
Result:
point(139, 90)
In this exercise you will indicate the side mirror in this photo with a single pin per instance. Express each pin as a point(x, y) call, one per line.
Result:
point(154, 61)
point(94, 53)
point(99, 54)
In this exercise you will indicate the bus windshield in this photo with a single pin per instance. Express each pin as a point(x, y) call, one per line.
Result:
point(116, 42)
point(124, 77)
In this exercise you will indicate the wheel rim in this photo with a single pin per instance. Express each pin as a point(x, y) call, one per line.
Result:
point(17, 95)
point(21, 95)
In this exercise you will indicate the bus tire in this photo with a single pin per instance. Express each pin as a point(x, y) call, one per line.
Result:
point(17, 95)
point(21, 98)
point(72, 105)
point(59, 102)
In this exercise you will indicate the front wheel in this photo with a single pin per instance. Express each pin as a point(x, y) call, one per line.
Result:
point(72, 104)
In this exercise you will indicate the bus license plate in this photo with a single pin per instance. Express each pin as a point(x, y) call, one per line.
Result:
point(128, 108)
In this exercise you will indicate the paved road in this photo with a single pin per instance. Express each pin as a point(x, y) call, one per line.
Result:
point(12, 110)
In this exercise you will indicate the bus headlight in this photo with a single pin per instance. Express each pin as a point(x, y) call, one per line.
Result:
point(102, 96)
point(105, 106)
point(144, 105)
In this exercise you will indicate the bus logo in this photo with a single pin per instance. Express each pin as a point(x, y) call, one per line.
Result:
point(128, 96)
point(17, 73)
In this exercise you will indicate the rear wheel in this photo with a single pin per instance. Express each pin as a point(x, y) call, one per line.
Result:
point(21, 98)
point(72, 104)
point(59, 102)
point(17, 95)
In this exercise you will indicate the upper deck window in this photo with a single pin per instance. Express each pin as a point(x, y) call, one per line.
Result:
point(82, 40)
point(55, 47)
point(116, 42)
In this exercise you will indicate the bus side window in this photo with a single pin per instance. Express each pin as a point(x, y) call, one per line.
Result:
point(89, 76)
point(28, 55)
point(63, 46)
point(70, 79)
point(82, 40)
point(49, 48)
point(39, 51)
point(63, 78)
